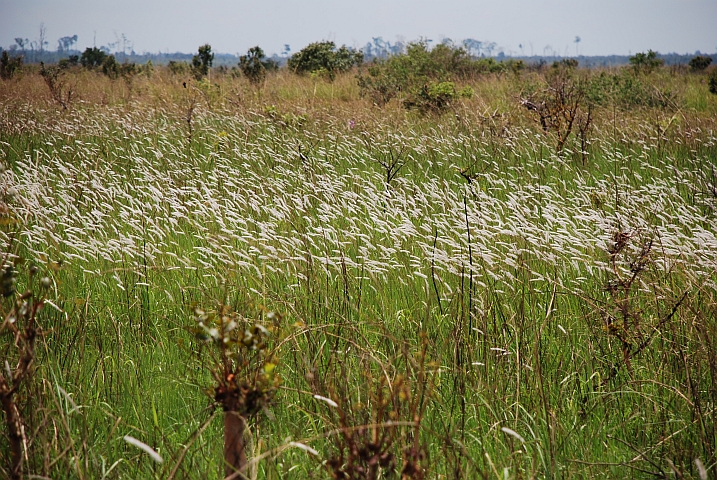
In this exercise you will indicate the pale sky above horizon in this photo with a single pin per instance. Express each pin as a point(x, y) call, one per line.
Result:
point(604, 26)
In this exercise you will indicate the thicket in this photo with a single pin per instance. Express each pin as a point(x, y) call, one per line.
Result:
point(425, 76)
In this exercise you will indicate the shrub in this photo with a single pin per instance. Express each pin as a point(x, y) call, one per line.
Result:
point(252, 65)
point(712, 82)
point(436, 97)
point(646, 62)
point(9, 65)
point(700, 62)
point(324, 56)
point(178, 68)
point(202, 61)
point(92, 57)
point(110, 67)
point(56, 81)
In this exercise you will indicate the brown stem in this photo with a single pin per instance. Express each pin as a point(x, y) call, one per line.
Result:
point(234, 445)
point(14, 428)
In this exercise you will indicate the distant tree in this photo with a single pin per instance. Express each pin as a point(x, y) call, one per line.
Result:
point(700, 62)
point(64, 44)
point(325, 58)
point(92, 57)
point(202, 61)
point(646, 62)
point(252, 65)
point(43, 42)
point(577, 42)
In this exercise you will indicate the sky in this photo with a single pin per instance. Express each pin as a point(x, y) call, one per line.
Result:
point(518, 27)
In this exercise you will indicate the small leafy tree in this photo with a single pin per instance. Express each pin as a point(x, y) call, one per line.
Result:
point(324, 57)
point(242, 361)
point(111, 67)
point(700, 63)
point(252, 65)
point(646, 62)
point(92, 57)
point(202, 61)
point(9, 65)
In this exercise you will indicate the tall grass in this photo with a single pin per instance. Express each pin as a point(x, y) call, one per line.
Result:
point(565, 308)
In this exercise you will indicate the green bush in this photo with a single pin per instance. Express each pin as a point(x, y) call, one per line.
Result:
point(92, 57)
point(625, 90)
point(646, 62)
point(700, 62)
point(9, 65)
point(252, 65)
point(324, 56)
point(420, 67)
point(111, 67)
point(202, 61)
point(712, 82)
point(178, 68)
point(435, 97)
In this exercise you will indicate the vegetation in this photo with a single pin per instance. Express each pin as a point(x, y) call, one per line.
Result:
point(9, 65)
point(199, 281)
point(202, 61)
point(324, 59)
point(93, 57)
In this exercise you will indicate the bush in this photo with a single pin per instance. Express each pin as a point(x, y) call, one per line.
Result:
point(625, 90)
point(420, 70)
point(436, 97)
point(646, 62)
point(700, 62)
point(712, 82)
point(202, 61)
point(9, 65)
point(110, 67)
point(252, 65)
point(178, 68)
point(324, 56)
point(92, 57)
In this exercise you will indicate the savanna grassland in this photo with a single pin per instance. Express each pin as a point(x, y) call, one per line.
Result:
point(513, 280)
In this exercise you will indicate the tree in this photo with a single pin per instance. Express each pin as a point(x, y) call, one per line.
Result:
point(252, 65)
point(324, 57)
point(577, 42)
point(202, 61)
point(64, 44)
point(92, 57)
point(646, 62)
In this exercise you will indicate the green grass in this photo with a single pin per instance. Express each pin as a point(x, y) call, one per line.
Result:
point(298, 219)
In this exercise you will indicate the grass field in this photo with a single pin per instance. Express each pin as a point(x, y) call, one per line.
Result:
point(450, 293)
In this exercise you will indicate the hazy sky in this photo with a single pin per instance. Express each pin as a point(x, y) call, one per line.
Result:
point(233, 26)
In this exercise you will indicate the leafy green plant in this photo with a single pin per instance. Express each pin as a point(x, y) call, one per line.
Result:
point(436, 97)
point(324, 56)
point(202, 61)
point(646, 62)
point(700, 63)
point(240, 356)
point(252, 65)
point(9, 65)
point(712, 81)
point(92, 57)
point(178, 68)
